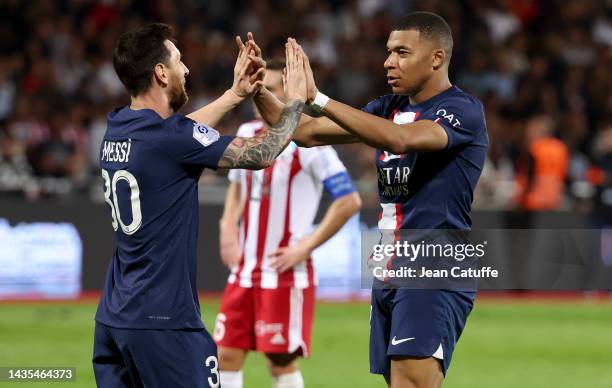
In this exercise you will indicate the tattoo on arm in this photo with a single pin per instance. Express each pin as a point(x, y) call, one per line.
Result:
point(260, 151)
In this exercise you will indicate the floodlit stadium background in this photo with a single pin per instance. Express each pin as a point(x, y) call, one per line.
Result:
point(540, 67)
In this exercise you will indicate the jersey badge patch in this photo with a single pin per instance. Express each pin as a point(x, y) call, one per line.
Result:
point(205, 135)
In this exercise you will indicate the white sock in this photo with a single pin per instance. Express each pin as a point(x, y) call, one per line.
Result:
point(231, 379)
point(288, 380)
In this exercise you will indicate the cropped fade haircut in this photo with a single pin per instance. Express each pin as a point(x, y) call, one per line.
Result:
point(275, 63)
point(136, 54)
point(430, 26)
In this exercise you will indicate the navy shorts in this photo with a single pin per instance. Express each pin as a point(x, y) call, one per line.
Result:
point(415, 322)
point(154, 358)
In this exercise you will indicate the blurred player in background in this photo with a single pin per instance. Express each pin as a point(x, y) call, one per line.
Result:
point(431, 143)
point(148, 326)
point(268, 304)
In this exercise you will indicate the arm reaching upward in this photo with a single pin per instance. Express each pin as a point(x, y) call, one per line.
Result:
point(322, 131)
point(310, 132)
point(248, 77)
point(419, 136)
point(424, 135)
point(260, 151)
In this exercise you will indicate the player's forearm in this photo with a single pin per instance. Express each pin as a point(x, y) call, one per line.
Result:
point(309, 133)
point(420, 136)
point(278, 135)
point(322, 131)
point(268, 106)
point(212, 113)
point(260, 151)
point(338, 213)
point(228, 224)
point(232, 207)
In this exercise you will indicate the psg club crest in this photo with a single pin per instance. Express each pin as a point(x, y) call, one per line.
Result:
point(204, 134)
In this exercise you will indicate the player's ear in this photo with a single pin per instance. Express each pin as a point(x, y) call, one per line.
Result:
point(438, 58)
point(160, 72)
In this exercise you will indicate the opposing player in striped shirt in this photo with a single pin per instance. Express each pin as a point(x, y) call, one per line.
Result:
point(268, 303)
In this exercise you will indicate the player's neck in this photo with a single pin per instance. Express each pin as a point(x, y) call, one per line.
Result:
point(156, 100)
point(432, 88)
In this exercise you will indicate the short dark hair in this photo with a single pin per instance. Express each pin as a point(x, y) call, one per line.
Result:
point(276, 63)
point(136, 54)
point(431, 26)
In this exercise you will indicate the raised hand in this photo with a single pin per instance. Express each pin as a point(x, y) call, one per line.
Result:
point(255, 53)
point(256, 58)
point(260, 151)
point(311, 88)
point(248, 73)
point(295, 76)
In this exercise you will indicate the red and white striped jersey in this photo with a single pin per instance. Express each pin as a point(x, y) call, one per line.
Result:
point(280, 204)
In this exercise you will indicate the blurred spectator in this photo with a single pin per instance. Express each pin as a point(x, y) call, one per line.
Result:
point(602, 29)
point(500, 20)
point(7, 88)
point(59, 155)
point(542, 170)
point(600, 176)
point(15, 173)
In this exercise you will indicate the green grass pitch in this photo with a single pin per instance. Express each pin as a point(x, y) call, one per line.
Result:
point(505, 344)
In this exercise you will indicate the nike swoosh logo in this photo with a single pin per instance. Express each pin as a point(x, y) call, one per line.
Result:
point(397, 342)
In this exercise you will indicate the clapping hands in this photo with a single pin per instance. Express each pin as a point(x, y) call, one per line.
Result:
point(249, 69)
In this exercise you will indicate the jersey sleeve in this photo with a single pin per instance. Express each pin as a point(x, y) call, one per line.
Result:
point(194, 144)
point(324, 165)
point(462, 119)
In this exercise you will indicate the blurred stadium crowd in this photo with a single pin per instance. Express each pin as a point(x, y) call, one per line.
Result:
point(541, 67)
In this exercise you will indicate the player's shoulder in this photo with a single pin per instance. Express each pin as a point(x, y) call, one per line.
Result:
point(384, 105)
point(178, 123)
point(389, 98)
point(460, 98)
point(124, 120)
point(460, 109)
point(148, 121)
point(181, 131)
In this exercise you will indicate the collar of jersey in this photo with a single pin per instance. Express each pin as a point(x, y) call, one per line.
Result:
point(433, 100)
point(139, 112)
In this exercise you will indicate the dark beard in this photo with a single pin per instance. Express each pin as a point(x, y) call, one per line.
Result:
point(178, 98)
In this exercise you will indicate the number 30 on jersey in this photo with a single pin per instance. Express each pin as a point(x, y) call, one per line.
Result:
point(110, 187)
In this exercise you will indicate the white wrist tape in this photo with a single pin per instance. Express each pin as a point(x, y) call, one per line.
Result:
point(319, 101)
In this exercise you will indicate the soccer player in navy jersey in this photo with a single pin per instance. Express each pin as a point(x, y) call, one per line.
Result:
point(148, 326)
point(431, 142)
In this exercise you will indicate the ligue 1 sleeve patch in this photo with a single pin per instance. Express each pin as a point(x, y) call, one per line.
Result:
point(205, 135)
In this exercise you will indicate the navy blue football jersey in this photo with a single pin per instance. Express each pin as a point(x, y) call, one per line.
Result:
point(432, 190)
point(151, 168)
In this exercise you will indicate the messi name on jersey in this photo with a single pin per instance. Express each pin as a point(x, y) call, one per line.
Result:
point(116, 151)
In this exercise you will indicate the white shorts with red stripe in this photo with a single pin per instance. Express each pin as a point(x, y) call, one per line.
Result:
point(275, 320)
